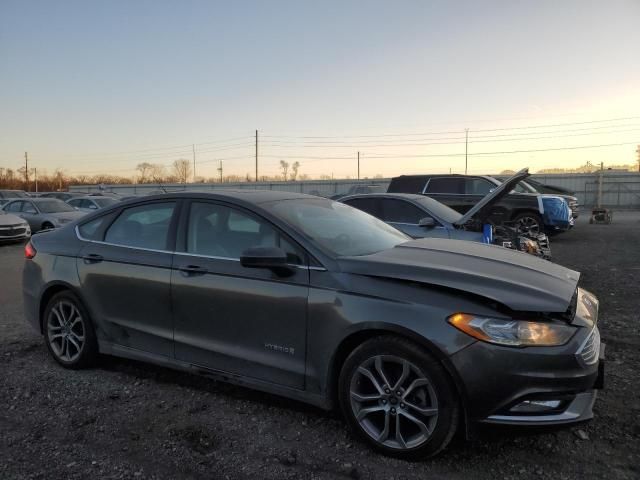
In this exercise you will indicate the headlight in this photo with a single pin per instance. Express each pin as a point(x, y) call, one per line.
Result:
point(513, 333)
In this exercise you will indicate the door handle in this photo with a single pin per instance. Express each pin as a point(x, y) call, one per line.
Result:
point(189, 270)
point(92, 258)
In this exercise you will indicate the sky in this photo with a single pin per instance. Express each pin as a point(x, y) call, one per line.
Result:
point(99, 87)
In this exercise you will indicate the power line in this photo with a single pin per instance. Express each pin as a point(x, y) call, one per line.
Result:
point(461, 141)
point(460, 131)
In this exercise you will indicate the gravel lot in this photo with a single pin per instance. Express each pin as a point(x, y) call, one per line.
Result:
point(130, 420)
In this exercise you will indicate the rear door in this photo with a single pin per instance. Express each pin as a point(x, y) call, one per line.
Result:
point(125, 273)
point(244, 321)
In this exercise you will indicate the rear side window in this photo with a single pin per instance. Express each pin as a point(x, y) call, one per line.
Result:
point(369, 205)
point(407, 184)
point(145, 226)
point(14, 207)
point(91, 230)
point(399, 211)
point(448, 185)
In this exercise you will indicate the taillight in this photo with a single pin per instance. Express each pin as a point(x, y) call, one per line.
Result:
point(29, 251)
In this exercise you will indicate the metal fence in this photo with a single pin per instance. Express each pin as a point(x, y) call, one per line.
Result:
point(619, 189)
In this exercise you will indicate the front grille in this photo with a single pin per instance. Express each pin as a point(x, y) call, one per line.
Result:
point(590, 350)
point(12, 231)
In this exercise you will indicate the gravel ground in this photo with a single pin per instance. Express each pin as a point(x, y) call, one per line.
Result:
point(125, 419)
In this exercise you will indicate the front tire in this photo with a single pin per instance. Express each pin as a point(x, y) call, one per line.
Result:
point(398, 398)
point(68, 332)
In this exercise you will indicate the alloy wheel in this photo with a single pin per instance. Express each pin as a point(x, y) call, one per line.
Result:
point(529, 225)
point(65, 331)
point(393, 401)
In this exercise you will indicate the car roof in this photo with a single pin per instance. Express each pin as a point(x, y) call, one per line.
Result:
point(401, 196)
point(249, 196)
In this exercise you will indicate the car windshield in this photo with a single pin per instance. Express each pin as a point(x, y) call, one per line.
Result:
point(440, 210)
point(16, 194)
point(54, 206)
point(337, 228)
point(104, 202)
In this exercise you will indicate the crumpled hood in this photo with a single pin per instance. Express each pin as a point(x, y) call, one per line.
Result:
point(520, 281)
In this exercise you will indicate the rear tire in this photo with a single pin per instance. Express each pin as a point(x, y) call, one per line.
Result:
point(68, 331)
point(398, 398)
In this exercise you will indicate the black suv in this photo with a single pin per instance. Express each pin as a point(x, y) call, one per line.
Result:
point(461, 192)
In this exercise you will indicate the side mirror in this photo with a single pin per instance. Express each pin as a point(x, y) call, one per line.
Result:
point(427, 222)
point(273, 258)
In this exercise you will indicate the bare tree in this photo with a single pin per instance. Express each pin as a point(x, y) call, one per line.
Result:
point(285, 168)
point(182, 170)
point(294, 171)
point(145, 169)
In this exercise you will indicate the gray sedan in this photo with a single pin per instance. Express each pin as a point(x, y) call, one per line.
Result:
point(43, 213)
point(323, 303)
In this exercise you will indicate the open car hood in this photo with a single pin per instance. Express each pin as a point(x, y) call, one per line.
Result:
point(483, 207)
point(520, 281)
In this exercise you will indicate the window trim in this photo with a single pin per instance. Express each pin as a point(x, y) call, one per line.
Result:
point(183, 206)
point(429, 194)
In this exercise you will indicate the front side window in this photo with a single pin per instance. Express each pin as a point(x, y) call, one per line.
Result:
point(220, 231)
point(448, 185)
point(145, 226)
point(27, 207)
point(399, 211)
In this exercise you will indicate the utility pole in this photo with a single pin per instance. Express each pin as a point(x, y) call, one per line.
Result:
point(35, 173)
point(220, 170)
point(26, 170)
point(466, 149)
point(638, 152)
point(358, 165)
point(256, 155)
point(193, 146)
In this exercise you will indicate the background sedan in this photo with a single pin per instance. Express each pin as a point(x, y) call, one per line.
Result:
point(13, 228)
point(43, 213)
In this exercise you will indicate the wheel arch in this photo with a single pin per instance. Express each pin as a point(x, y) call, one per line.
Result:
point(366, 332)
point(48, 293)
point(519, 211)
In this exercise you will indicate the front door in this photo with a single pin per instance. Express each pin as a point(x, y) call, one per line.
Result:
point(125, 273)
point(244, 321)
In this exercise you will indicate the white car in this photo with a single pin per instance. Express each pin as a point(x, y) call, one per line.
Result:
point(13, 228)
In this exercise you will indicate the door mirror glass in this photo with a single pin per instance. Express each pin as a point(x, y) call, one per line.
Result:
point(427, 222)
point(264, 257)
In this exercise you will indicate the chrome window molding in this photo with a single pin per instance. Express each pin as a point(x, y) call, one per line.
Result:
point(212, 257)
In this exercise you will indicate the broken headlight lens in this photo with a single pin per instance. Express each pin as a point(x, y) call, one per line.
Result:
point(513, 333)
